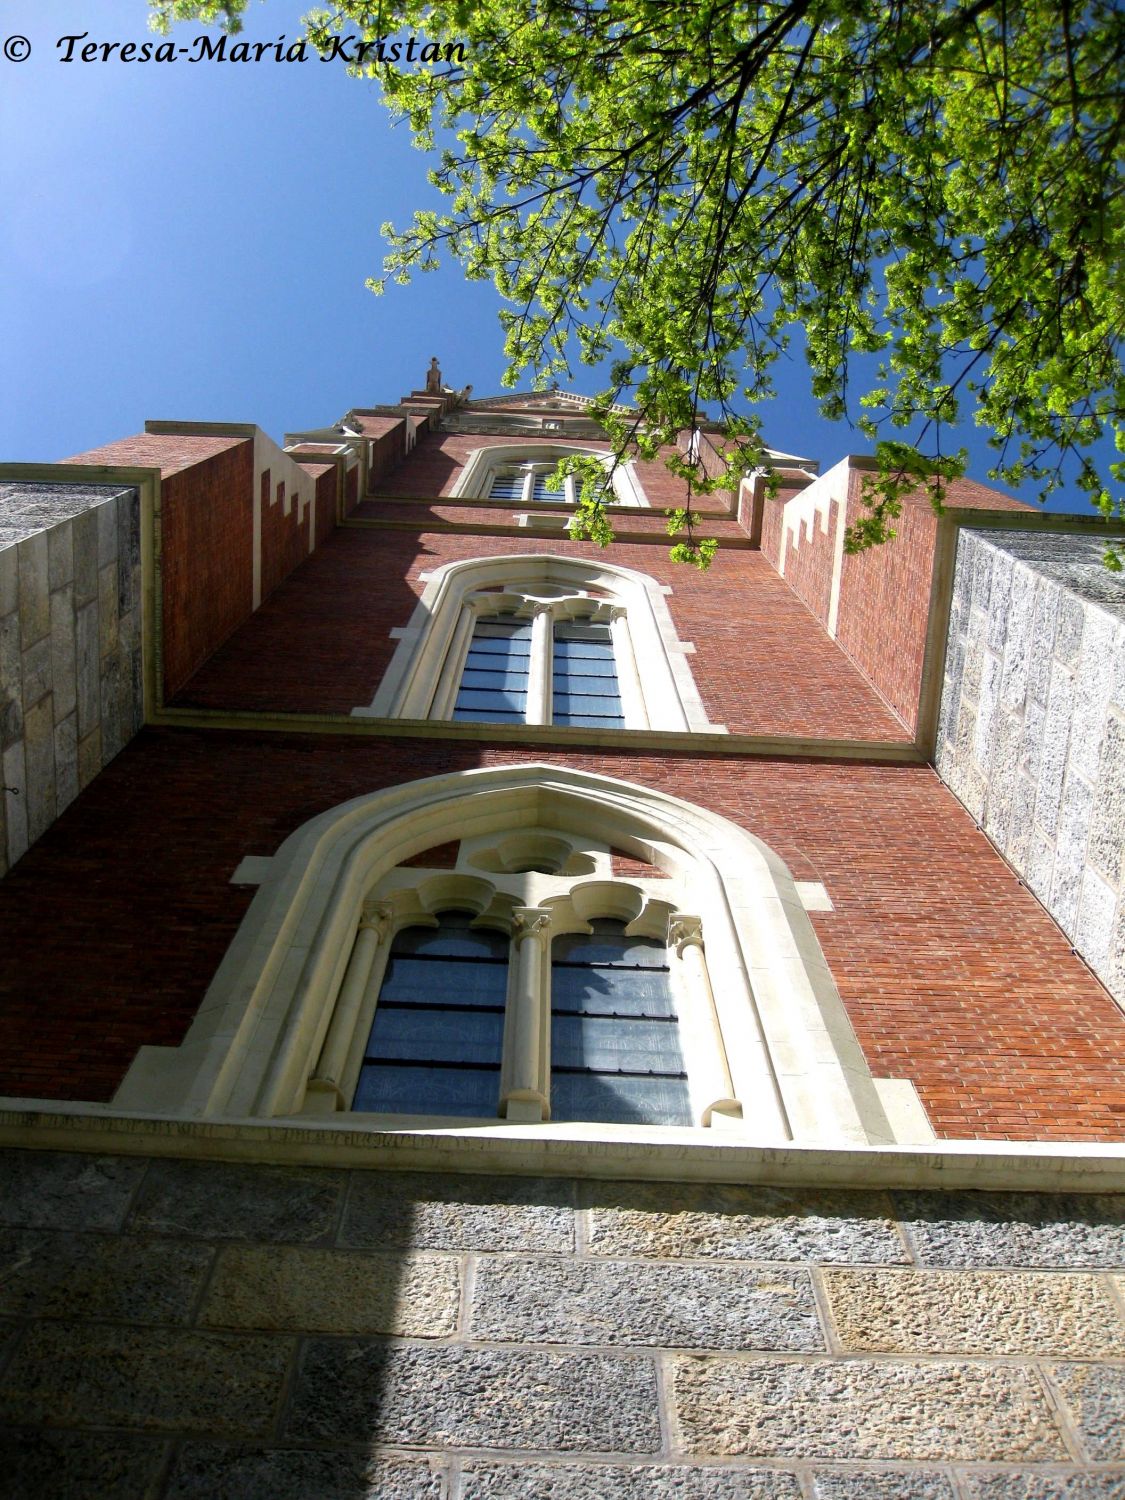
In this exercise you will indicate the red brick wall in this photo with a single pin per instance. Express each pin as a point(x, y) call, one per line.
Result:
point(386, 450)
point(207, 573)
point(951, 971)
point(351, 490)
point(762, 664)
point(884, 592)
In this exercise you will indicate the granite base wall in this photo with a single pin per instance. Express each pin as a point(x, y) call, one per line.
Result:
point(189, 1328)
point(1032, 729)
point(70, 647)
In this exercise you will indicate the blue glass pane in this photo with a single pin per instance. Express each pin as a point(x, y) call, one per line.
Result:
point(501, 628)
point(455, 938)
point(585, 667)
point(546, 489)
point(420, 981)
point(436, 1036)
point(616, 1045)
point(428, 1091)
point(507, 487)
point(496, 702)
point(491, 652)
point(587, 703)
point(485, 716)
point(622, 992)
point(621, 1101)
point(592, 721)
point(608, 945)
point(500, 677)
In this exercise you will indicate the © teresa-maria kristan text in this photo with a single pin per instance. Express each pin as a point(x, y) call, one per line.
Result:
point(346, 49)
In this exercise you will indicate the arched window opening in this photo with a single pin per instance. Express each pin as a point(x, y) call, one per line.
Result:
point(438, 1032)
point(616, 1055)
point(489, 634)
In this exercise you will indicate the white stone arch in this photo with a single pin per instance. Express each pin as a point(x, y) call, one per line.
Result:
point(475, 478)
point(422, 678)
point(793, 1058)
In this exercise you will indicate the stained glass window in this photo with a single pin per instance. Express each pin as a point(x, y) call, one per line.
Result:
point(436, 1041)
point(615, 1036)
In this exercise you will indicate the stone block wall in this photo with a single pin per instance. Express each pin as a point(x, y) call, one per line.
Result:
point(1032, 727)
point(70, 647)
point(186, 1329)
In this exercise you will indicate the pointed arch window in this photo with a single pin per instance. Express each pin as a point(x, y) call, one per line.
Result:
point(595, 642)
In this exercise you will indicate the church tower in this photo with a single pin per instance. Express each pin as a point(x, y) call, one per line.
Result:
point(487, 1015)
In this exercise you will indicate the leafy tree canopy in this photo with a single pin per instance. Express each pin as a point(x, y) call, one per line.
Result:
point(928, 192)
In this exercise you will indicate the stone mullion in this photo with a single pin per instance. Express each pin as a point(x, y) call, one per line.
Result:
point(524, 1098)
point(540, 673)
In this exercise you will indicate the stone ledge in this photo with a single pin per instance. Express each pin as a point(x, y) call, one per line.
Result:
point(591, 1151)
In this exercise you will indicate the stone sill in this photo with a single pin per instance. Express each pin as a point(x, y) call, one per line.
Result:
point(666, 1154)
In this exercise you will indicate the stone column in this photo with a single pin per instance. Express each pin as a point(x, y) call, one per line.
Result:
point(539, 678)
point(685, 934)
point(524, 1098)
point(328, 1087)
point(628, 675)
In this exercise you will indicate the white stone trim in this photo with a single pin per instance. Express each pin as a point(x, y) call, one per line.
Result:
point(432, 648)
point(793, 1056)
point(613, 1152)
point(811, 509)
point(475, 478)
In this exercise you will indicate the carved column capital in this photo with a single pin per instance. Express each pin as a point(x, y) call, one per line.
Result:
point(530, 922)
point(376, 917)
point(685, 931)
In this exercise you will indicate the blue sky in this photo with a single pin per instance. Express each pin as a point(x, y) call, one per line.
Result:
point(191, 240)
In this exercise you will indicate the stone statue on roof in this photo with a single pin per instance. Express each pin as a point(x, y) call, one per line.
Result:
point(433, 378)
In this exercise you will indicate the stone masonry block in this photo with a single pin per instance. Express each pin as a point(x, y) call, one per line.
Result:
point(1056, 736)
point(108, 1466)
point(60, 556)
point(432, 1211)
point(1047, 597)
point(674, 1306)
point(362, 1392)
point(85, 556)
point(63, 652)
point(1106, 845)
point(89, 757)
point(1068, 632)
point(881, 1484)
point(106, 513)
point(11, 680)
point(225, 1200)
point(1093, 929)
point(91, 1374)
point(1070, 851)
point(15, 800)
point(974, 1312)
point(1044, 1230)
point(1017, 642)
point(482, 1480)
point(863, 1409)
point(39, 751)
point(742, 1223)
point(56, 1190)
point(1092, 685)
point(1026, 1484)
point(35, 672)
point(87, 668)
point(330, 1291)
point(34, 606)
point(1003, 570)
point(51, 1275)
point(108, 618)
point(66, 762)
point(1094, 1396)
point(205, 1471)
point(9, 580)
